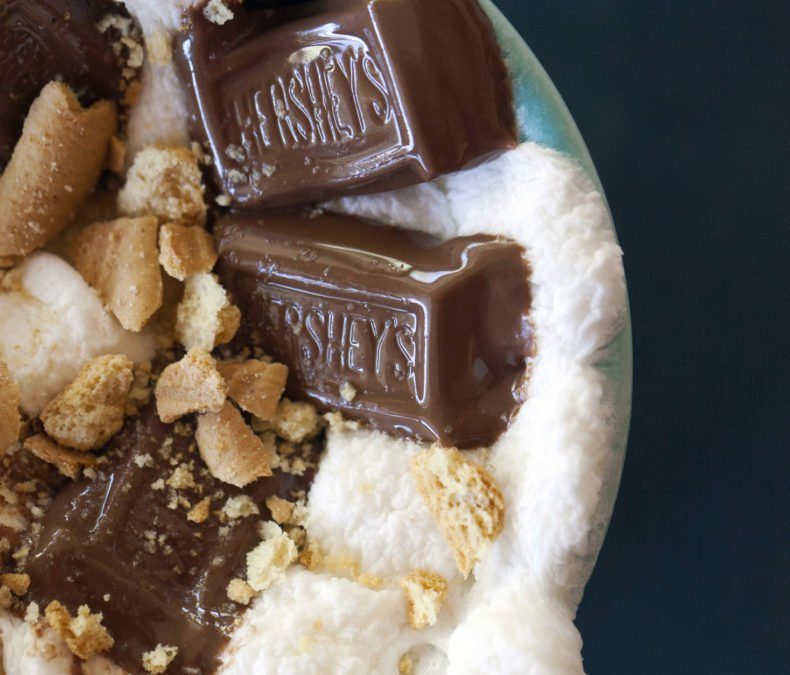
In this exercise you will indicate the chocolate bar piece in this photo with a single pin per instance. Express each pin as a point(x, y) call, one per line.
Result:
point(320, 99)
point(45, 40)
point(418, 337)
point(123, 546)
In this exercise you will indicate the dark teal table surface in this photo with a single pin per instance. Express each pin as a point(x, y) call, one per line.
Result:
point(685, 107)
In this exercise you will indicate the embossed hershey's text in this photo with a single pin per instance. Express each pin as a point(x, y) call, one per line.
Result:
point(324, 95)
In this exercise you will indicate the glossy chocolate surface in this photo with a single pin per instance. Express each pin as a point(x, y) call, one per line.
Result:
point(45, 40)
point(166, 576)
point(327, 97)
point(432, 336)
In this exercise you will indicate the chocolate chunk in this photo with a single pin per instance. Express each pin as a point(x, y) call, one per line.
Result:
point(45, 40)
point(115, 544)
point(322, 98)
point(418, 337)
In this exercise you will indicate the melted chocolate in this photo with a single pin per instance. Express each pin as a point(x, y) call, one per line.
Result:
point(432, 336)
point(45, 40)
point(96, 540)
point(324, 98)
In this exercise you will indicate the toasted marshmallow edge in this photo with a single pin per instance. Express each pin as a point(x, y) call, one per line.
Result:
point(52, 325)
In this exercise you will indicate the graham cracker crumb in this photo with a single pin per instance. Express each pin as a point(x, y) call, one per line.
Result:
point(90, 411)
point(84, 634)
point(10, 420)
point(281, 509)
point(205, 317)
point(54, 167)
point(348, 392)
point(296, 421)
point(184, 251)
point(231, 450)
point(240, 591)
point(164, 182)
point(199, 513)
point(424, 593)
point(217, 12)
point(256, 386)
point(240, 506)
point(18, 583)
point(267, 562)
point(190, 385)
point(120, 260)
point(464, 500)
point(157, 660)
point(69, 463)
point(181, 478)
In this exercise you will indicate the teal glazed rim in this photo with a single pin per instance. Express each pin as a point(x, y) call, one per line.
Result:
point(544, 118)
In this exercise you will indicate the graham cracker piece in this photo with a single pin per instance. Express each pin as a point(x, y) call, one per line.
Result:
point(158, 659)
point(424, 593)
point(68, 462)
point(200, 512)
point(190, 385)
point(281, 509)
point(90, 410)
point(19, 584)
point(231, 450)
point(256, 386)
point(164, 182)
point(120, 260)
point(464, 500)
point(84, 634)
point(54, 167)
point(217, 12)
point(10, 420)
point(267, 562)
point(205, 317)
point(184, 251)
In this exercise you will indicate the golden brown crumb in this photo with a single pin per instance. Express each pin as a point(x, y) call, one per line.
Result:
point(239, 506)
point(267, 562)
point(90, 411)
point(231, 450)
point(68, 462)
point(164, 182)
point(18, 583)
point(240, 591)
point(10, 420)
point(205, 317)
point(120, 260)
point(157, 660)
point(281, 509)
point(54, 167)
point(296, 421)
point(190, 385)
point(84, 634)
point(184, 251)
point(199, 513)
point(256, 386)
point(424, 593)
point(464, 500)
point(181, 478)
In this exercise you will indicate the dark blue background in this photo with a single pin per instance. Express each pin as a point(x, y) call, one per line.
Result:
point(685, 106)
